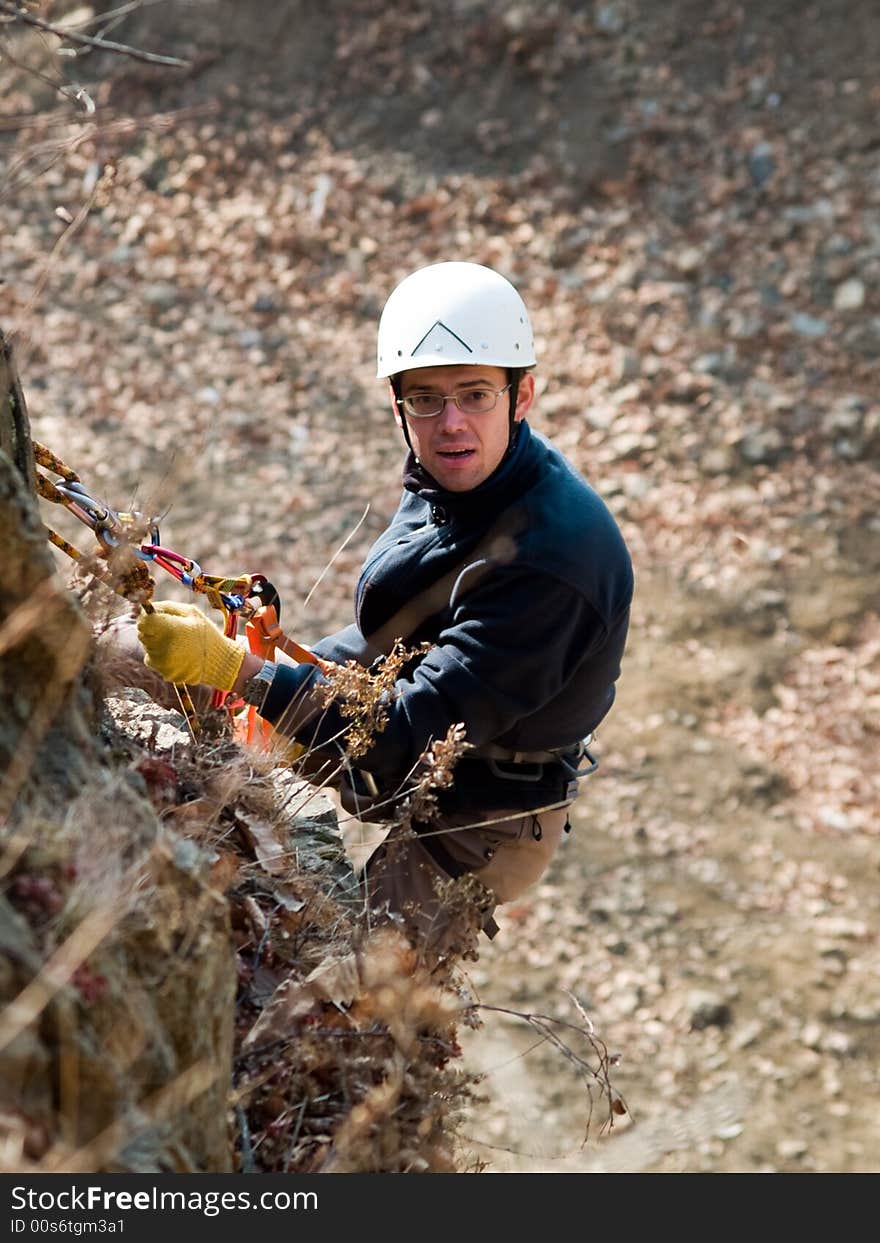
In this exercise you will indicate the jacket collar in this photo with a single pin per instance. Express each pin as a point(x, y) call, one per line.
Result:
point(508, 481)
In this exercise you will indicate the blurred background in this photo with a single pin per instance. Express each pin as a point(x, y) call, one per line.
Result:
point(687, 195)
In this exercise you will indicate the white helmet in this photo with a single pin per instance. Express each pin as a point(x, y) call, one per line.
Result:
point(454, 313)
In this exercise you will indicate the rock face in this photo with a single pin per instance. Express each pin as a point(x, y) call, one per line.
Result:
point(44, 638)
point(127, 1066)
point(117, 981)
point(155, 1049)
point(43, 737)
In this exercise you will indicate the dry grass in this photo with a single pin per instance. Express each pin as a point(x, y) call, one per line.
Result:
point(342, 1051)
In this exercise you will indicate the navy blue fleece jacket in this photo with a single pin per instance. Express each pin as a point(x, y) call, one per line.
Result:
point(523, 588)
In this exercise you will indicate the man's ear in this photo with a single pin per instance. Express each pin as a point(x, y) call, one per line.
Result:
point(395, 409)
point(524, 397)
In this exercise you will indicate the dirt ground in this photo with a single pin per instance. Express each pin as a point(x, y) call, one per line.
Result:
point(688, 196)
point(727, 956)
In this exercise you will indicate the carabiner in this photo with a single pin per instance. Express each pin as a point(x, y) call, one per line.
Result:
point(81, 503)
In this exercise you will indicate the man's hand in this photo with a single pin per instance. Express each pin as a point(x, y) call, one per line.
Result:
point(183, 645)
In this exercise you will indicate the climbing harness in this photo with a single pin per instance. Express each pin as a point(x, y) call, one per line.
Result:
point(244, 597)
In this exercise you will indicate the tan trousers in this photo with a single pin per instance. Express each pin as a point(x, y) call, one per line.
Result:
point(507, 857)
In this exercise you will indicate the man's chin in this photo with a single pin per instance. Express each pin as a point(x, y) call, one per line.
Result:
point(457, 478)
point(457, 481)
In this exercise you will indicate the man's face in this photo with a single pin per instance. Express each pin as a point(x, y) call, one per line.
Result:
point(462, 450)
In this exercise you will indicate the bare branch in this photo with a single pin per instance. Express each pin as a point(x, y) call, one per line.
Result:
point(108, 20)
point(112, 17)
point(91, 41)
point(72, 227)
point(545, 1025)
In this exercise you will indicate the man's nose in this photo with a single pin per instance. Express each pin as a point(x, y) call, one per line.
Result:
point(450, 416)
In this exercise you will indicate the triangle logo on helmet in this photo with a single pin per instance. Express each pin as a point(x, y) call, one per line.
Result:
point(439, 339)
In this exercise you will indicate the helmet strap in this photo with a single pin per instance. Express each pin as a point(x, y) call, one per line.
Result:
point(396, 388)
point(514, 375)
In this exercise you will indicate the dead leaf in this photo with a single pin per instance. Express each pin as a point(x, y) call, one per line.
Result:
point(269, 852)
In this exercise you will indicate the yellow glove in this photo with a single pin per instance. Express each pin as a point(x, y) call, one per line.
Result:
point(185, 646)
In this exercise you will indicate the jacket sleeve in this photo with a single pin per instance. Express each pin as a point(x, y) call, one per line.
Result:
point(509, 647)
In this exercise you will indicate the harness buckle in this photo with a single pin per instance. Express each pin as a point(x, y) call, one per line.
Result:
point(534, 771)
point(581, 752)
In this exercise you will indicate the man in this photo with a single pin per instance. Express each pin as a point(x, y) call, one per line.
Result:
point(504, 562)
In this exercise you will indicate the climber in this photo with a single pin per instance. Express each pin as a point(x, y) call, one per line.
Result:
point(510, 570)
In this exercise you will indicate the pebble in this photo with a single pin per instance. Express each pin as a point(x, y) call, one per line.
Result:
point(635, 487)
point(744, 325)
point(627, 1002)
point(821, 210)
point(761, 445)
point(849, 296)
point(808, 325)
point(833, 966)
point(222, 322)
point(710, 364)
point(161, 294)
point(846, 415)
point(747, 1035)
point(601, 415)
point(841, 926)
point(609, 19)
point(720, 461)
point(708, 1010)
point(811, 1035)
point(689, 259)
point(627, 364)
point(760, 163)
point(249, 338)
point(832, 817)
point(869, 1014)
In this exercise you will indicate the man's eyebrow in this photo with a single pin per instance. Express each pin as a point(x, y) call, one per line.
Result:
point(424, 386)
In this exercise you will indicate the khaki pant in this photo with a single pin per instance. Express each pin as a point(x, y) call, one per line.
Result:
point(506, 857)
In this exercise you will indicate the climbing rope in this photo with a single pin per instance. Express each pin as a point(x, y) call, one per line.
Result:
point(244, 597)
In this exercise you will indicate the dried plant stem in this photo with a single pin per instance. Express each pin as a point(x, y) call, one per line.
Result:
point(55, 253)
point(599, 1074)
point(340, 549)
point(91, 41)
point(501, 819)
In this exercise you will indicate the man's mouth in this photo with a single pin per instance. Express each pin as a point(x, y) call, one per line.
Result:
point(454, 453)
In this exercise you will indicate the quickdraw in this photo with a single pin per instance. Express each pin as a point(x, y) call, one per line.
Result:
point(107, 525)
point(247, 597)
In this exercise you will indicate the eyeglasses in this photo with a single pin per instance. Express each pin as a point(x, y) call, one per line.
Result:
point(469, 401)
